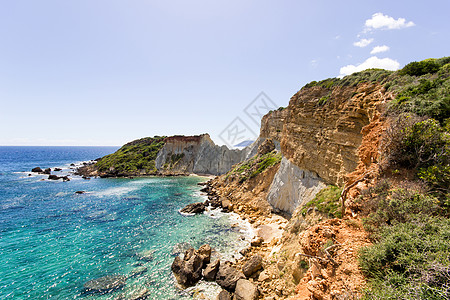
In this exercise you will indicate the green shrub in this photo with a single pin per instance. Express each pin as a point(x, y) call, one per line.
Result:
point(410, 261)
point(398, 205)
point(254, 166)
point(326, 201)
point(420, 68)
point(133, 157)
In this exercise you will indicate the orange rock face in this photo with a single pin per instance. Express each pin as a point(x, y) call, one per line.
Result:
point(323, 128)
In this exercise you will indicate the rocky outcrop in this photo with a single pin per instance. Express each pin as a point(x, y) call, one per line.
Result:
point(272, 125)
point(322, 129)
point(253, 265)
point(292, 187)
point(193, 208)
point(196, 154)
point(228, 276)
point(188, 270)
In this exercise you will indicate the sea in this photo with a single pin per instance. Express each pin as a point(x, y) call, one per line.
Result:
point(53, 240)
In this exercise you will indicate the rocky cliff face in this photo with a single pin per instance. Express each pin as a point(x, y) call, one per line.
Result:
point(272, 125)
point(196, 154)
point(293, 187)
point(323, 128)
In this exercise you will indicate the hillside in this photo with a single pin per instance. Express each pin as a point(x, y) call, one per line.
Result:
point(363, 182)
point(348, 187)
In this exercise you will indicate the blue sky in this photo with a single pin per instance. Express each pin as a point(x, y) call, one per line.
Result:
point(105, 72)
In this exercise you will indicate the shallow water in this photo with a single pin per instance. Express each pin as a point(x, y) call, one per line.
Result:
point(52, 240)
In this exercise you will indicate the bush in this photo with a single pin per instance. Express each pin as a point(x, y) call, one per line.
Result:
point(133, 157)
point(326, 201)
point(420, 68)
point(398, 205)
point(410, 261)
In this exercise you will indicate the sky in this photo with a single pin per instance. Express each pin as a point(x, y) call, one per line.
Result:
point(105, 72)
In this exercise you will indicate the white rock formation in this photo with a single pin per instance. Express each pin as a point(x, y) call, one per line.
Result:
point(293, 187)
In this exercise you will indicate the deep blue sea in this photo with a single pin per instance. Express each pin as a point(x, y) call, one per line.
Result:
point(53, 240)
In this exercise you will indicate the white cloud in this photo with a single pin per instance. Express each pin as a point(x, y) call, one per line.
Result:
point(371, 62)
point(379, 49)
point(363, 43)
point(380, 21)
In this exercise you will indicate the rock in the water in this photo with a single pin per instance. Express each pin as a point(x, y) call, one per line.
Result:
point(188, 270)
point(224, 295)
point(105, 284)
point(47, 171)
point(226, 204)
point(65, 178)
point(227, 276)
point(253, 265)
point(146, 255)
point(209, 273)
point(180, 248)
point(85, 177)
point(57, 169)
point(80, 192)
point(36, 170)
point(194, 208)
point(245, 290)
point(138, 271)
point(53, 177)
point(205, 254)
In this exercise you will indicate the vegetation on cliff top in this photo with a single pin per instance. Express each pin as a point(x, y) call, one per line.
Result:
point(134, 158)
point(254, 166)
point(408, 212)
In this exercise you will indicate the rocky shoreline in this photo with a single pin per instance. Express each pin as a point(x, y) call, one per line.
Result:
point(246, 278)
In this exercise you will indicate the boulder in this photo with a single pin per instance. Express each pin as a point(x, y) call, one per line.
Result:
point(194, 208)
point(245, 290)
point(224, 295)
point(57, 169)
point(227, 276)
point(65, 178)
point(85, 177)
point(80, 192)
point(205, 253)
point(256, 242)
point(105, 284)
point(47, 171)
point(226, 204)
point(253, 265)
point(188, 270)
point(36, 170)
point(209, 273)
point(53, 177)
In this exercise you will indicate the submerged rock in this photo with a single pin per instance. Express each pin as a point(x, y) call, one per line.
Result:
point(194, 208)
point(180, 248)
point(146, 255)
point(105, 284)
point(138, 271)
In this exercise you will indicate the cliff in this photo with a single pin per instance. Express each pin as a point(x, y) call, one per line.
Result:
point(169, 156)
point(338, 139)
point(198, 154)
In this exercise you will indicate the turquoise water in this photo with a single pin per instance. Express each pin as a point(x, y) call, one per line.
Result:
point(52, 240)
